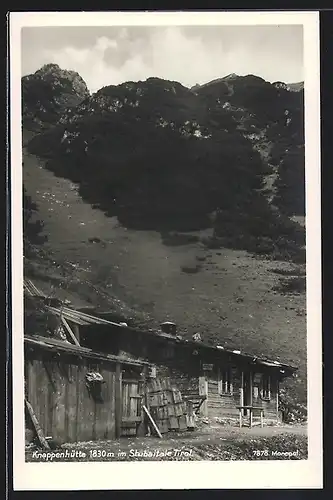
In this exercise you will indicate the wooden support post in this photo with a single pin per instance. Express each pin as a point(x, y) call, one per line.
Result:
point(190, 415)
point(250, 403)
point(251, 417)
point(142, 427)
point(219, 381)
point(118, 398)
point(68, 328)
point(152, 421)
point(76, 331)
point(36, 425)
point(203, 391)
point(240, 418)
point(261, 418)
point(241, 392)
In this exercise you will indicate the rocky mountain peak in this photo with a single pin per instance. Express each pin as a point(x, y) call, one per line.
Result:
point(232, 76)
point(59, 77)
point(48, 92)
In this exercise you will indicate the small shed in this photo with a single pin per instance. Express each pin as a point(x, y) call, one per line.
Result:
point(81, 395)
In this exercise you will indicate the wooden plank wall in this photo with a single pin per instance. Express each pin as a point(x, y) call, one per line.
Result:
point(179, 364)
point(183, 371)
point(170, 359)
point(223, 405)
point(226, 405)
point(216, 405)
point(187, 383)
point(56, 389)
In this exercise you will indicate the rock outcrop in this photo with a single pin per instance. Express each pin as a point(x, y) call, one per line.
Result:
point(47, 93)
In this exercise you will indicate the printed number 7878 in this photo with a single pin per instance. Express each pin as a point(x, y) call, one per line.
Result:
point(260, 453)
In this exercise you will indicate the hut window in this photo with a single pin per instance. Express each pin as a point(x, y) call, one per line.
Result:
point(225, 381)
point(266, 387)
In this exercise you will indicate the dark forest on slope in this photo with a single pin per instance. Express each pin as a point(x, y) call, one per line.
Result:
point(161, 156)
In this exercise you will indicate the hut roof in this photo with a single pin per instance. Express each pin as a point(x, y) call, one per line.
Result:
point(82, 318)
point(59, 346)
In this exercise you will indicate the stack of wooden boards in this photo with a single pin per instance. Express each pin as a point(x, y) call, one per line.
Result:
point(166, 405)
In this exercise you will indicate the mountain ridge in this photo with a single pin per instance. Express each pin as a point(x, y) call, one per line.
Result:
point(218, 116)
point(292, 86)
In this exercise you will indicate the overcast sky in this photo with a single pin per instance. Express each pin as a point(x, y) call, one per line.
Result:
point(189, 55)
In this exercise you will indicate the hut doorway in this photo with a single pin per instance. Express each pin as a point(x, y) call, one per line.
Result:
point(132, 413)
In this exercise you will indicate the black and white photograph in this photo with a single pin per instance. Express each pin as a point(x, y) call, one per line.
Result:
point(165, 178)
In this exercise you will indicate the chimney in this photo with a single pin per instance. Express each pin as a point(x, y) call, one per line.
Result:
point(169, 327)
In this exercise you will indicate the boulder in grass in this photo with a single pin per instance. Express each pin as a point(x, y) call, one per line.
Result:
point(191, 268)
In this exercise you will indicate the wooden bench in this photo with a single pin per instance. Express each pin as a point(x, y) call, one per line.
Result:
point(251, 409)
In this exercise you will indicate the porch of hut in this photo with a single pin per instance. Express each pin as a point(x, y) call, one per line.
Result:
point(249, 393)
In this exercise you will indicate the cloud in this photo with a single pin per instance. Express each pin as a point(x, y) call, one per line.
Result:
point(189, 55)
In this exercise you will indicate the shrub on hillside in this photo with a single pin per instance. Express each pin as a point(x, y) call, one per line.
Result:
point(290, 183)
point(294, 285)
point(178, 239)
point(191, 268)
point(259, 230)
point(32, 227)
point(289, 272)
point(292, 410)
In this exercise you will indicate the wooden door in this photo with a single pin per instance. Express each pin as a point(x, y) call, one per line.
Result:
point(131, 406)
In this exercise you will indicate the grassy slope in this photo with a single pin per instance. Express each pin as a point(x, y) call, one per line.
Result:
point(230, 299)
